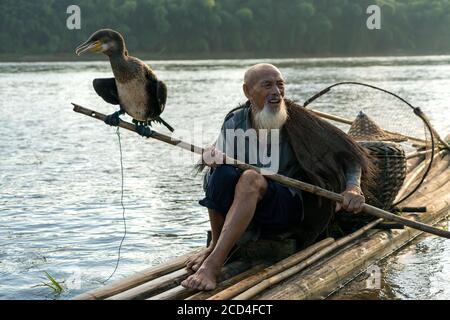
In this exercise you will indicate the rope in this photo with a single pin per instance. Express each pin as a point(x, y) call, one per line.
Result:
point(123, 207)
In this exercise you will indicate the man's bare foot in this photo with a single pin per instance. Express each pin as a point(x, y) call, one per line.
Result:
point(205, 279)
point(195, 261)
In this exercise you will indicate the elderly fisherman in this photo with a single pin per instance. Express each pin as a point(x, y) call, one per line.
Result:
point(299, 145)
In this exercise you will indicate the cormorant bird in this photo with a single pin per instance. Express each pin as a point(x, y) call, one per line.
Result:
point(135, 86)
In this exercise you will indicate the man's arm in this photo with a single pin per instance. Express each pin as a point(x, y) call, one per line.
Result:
point(353, 176)
point(353, 197)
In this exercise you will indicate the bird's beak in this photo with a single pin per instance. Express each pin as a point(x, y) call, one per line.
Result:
point(92, 46)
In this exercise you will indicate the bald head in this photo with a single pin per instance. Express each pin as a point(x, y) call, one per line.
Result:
point(259, 70)
point(263, 82)
point(264, 88)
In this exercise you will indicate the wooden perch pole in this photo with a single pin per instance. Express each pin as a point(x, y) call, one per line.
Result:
point(289, 182)
point(350, 122)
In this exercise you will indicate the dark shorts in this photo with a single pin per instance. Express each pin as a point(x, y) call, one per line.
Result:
point(276, 212)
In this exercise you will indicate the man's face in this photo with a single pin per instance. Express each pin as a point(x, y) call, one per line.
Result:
point(267, 88)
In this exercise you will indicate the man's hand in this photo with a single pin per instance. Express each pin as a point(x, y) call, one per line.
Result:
point(353, 200)
point(212, 157)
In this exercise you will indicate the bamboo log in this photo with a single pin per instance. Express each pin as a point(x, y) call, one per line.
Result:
point(431, 197)
point(421, 114)
point(433, 130)
point(436, 179)
point(272, 270)
point(296, 184)
point(416, 172)
point(176, 293)
point(319, 281)
point(432, 185)
point(421, 153)
point(155, 286)
point(412, 164)
point(416, 175)
point(203, 295)
point(437, 170)
point(172, 280)
point(180, 292)
point(263, 285)
point(135, 279)
point(350, 122)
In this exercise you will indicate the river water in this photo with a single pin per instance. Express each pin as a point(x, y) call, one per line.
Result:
point(60, 174)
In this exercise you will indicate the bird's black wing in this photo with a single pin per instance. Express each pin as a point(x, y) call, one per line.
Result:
point(161, 94)
point(157, 91)
point(107, 89)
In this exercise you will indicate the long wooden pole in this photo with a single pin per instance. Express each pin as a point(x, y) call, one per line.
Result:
point(296, 184)
point(433, 130)
point(420, 153)
point(415, 175)
point(350, 122)
point(442, 142)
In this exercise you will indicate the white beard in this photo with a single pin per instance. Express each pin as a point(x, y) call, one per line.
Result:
point(267, 119)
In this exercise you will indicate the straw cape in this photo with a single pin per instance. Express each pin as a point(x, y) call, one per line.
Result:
point(365, 129)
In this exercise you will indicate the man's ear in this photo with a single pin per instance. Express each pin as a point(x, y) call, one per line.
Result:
point(246, 90)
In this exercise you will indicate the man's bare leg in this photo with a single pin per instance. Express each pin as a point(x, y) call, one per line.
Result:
point(217, 221)
point(250, 189)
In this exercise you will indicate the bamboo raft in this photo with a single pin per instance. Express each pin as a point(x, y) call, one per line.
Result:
point(312, 273)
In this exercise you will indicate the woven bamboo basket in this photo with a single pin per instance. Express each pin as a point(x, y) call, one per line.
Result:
point(390, 160)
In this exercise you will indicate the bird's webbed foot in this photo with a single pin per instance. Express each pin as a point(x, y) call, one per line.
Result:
point(143, 129)
point(114, 119)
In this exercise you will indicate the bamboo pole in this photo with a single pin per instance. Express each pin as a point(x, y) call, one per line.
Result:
point(433, 130)
point(172, 280)
point(136, 279)
point(296, 184)
point(263, 285)
point(181, 293)
point(420, 153)
point(436, 171)
point(412, 164)
point(414, 176)
point(272, 270)
point(437, 178)
point(430, 197)
point(435, 174)
point(433, 185)
point(154, 286)
point(176, 293)
point(350, 122)
point(203, 295)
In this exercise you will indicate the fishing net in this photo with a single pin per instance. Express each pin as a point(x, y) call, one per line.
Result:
point(396, 133)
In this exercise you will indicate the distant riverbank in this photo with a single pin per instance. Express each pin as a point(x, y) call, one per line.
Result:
point(194, 56)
